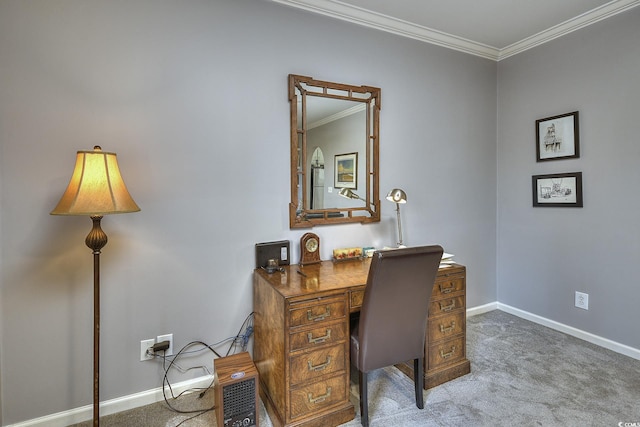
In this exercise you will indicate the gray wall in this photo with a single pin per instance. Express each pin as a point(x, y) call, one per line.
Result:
point(193, 98)
point(546, 254)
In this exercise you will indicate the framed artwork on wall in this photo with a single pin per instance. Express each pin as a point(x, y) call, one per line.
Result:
point(557, 137)
point(557, 190)
point(346, 170)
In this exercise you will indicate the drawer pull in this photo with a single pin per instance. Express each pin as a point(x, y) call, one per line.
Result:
point(447, 290)
point(319, 367)
point(447, 355)
point(312, 318)
point(448, 307)
point(319, 399)
point(318, 340)
point(445, 329)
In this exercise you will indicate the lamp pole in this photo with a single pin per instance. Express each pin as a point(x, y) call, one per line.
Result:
point(400, 244)
point(96, 240)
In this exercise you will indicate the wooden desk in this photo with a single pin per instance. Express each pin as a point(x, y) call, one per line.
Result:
point(301, 341)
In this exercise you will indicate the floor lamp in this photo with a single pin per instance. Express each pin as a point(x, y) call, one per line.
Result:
point(398, 196)
point(96, 189)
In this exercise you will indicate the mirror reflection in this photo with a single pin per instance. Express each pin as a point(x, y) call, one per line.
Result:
point(334, 147)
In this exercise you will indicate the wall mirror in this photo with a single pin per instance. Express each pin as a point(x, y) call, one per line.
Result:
point(334, 153)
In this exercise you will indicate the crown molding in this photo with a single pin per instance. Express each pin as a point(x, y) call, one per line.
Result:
point(598, 14)
point(360, 16)
point(337, 116)
point(367, 18)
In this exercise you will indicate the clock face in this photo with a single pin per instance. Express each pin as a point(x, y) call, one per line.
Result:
point(312, 244)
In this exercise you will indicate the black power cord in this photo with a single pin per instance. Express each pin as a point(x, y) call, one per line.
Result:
point(240, 339)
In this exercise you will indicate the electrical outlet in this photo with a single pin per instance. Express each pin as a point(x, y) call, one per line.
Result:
point(167, 337)
point(582, 300)
point(144, 345)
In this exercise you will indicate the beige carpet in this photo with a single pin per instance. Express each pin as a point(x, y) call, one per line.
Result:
point(522, 374)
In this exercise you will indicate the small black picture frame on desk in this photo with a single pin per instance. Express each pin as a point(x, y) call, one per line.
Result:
point(280, 250)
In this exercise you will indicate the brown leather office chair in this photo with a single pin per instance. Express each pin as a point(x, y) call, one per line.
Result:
point(393, 318)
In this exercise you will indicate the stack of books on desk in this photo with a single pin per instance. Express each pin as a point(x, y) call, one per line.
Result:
point(447, 260)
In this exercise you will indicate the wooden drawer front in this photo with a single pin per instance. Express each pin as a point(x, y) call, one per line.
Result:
point(447, 326)
point(309, 366)
point(355, 300)
point(315, 397)
point(443, 288)
point(325, 334)
point(446, 352)
point(318, 312)
point(446, 305)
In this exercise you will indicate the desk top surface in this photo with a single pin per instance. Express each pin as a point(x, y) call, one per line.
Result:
point(297, 280)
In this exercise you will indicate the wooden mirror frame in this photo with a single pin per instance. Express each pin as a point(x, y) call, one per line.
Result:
point(300, 215)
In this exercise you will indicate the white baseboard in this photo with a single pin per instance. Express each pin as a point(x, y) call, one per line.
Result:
point(473, 311)
point(108, 407)
point(569, 330)
point(74, 416)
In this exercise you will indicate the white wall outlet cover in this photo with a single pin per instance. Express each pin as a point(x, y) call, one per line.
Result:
point(582, 300)
point(144, 346)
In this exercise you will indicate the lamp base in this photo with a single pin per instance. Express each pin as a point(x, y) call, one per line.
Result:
point(96, 239)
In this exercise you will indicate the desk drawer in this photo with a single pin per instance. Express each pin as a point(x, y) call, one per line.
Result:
point(355, 300)
point(309, 366)
point(321, 335)
point(446, 352)
point(319, 311)
point(443, 327)
point(447, 286)
point(315, 397)
point(446, 305)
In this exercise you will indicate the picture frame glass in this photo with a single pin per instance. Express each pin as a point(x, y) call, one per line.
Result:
point(557, 137)
point(557, 190)
point(346, 171)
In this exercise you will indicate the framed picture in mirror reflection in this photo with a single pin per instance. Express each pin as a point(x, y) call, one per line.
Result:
point(346, 170)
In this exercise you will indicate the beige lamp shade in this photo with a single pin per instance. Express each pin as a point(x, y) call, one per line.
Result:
point(96, 187)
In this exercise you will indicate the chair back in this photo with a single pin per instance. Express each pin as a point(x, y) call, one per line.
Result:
point(393, 317)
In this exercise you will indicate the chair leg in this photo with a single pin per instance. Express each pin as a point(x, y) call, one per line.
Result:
point(364, 405)
point(418, 371)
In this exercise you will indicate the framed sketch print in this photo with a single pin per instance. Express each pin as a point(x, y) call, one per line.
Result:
point(558, 190)
point(346, 171)
point(557, 137)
